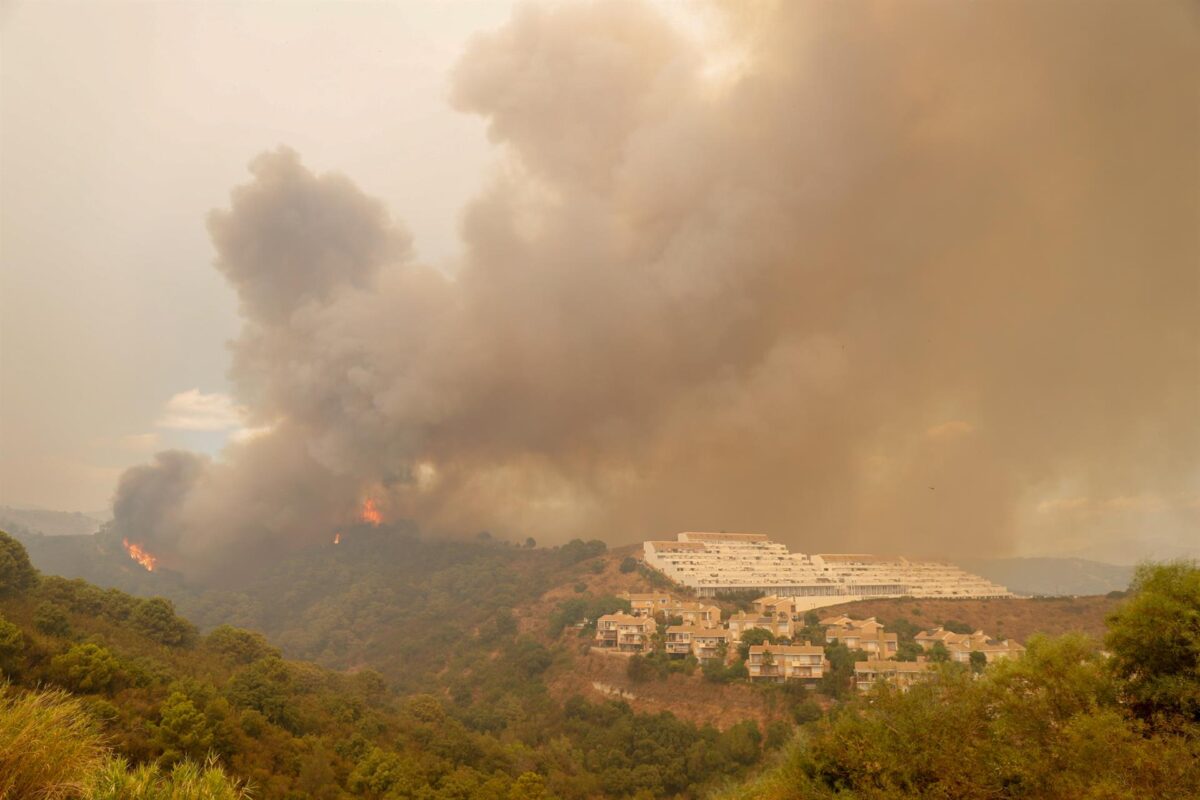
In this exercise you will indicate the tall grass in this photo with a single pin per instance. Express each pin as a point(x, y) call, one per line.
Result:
point(187, 780)
point(49, 747)
point(50, 750)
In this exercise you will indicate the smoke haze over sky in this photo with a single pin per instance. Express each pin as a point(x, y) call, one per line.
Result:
point(915, 278)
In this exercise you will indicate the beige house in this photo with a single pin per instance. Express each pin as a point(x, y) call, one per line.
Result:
point(702, 642)
point(624, 633)
point(781, 625)
point(783, 662)
point(648, 604)
point(771, 605)
point(866, 635)
point(690, 611)
point(898, 673)
point(927, 639)
point(961, 645)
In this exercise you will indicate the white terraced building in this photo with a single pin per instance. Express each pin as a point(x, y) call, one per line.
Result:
point(709, 563)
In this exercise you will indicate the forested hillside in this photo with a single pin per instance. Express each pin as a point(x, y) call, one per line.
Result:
point(471, 717)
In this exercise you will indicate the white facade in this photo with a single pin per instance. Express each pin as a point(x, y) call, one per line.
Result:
point(709, 563)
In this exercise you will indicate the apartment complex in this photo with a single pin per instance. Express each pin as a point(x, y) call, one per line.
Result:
point(709, 563)
point(781, 662)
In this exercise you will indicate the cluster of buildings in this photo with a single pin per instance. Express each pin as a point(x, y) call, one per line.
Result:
point(710, 563)
point(961, 645)
point(701, 633)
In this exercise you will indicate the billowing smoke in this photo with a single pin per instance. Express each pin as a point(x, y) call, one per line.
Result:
point(866, 275)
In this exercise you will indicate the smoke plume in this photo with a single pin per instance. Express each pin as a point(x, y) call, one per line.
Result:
point(858, 275)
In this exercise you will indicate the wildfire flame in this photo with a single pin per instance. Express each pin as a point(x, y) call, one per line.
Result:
point(370, 513)
point(139, 555)
point(337, 538)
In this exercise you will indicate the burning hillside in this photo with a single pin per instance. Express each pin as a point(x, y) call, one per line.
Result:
point(140, 555)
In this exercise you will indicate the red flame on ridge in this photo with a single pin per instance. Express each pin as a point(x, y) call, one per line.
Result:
point(337, 538)
point(370, 513)
point(140, 555)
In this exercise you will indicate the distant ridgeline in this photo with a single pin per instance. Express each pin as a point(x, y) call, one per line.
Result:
point(713, 563)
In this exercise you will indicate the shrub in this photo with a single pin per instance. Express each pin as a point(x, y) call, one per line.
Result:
point(629, 564)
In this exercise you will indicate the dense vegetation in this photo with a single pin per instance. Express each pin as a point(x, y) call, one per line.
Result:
point(464, 639)
point(1064, 722)
point(463, 712)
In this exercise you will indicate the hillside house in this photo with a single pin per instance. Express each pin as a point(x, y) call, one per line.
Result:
point(624, 633)
point(866, 635)
point(648, 604)
point(692, 613)
point(702, 642)
point(780, 625)
point(902, 674)
point(776, 663)
point(771, 605)
point(961, 645)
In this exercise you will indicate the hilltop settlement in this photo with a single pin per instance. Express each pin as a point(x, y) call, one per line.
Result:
point(774, 637)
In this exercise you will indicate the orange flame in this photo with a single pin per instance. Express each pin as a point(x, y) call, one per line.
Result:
point(337, 538)
point(370, 513)
point(139, 555)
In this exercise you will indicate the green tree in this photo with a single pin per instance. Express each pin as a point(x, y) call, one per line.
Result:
point(628, 564)
point(155, 618)
point(85, 668)
point(752, 637)
point(16, 573)
point(978, 662)
point(182, 730)
point(264, 686)
point(50, 619)
point(938, 653)
point(806, 711)
point(237, 645)
point(12, 644)
point(528, 786)
point(835, 682)
point(1154, 638)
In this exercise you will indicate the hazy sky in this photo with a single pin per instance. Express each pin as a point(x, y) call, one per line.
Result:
point(123, 125)
point(918, 277)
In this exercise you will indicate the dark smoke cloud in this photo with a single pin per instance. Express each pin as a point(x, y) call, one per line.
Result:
point(898, 274)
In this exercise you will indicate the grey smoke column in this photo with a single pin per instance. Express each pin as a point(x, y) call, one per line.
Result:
point(896, 274)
